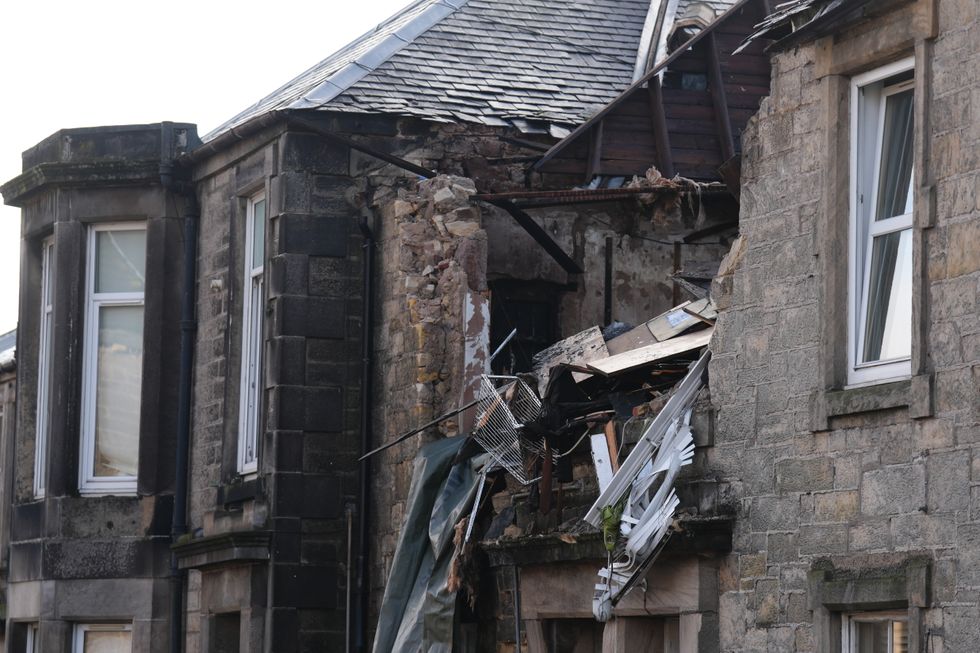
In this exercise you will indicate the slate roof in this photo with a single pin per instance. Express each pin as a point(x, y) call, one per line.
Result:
point(8, 348)
point(494, 62)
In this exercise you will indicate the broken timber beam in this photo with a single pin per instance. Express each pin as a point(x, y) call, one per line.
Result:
point(541, 236)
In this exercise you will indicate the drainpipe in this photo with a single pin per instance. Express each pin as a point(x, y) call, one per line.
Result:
point(367, 316)
point(188, 328)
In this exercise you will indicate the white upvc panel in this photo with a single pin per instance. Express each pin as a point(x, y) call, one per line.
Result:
point(253, 313)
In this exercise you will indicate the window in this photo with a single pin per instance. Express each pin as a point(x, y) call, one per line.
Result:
point(250, 397)
point(872, 632)
point(103, 638)
point(113, 358)
point(880, 260)
point(44, 369)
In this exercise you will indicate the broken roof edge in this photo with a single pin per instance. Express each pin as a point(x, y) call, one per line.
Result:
point(830, 19)
point(348, 73)
point(646, 36)
point(637, 85)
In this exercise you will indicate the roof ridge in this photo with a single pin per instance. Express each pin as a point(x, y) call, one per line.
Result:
point(359, 68)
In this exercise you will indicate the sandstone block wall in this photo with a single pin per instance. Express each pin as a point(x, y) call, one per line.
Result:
point(897, 476)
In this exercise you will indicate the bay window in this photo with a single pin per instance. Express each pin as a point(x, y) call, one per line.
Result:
point(42, 420)
point(253, 301)
point(113, 358)
point(880, 252)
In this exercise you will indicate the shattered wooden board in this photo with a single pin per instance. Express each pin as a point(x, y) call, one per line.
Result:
point(652, 353)
point(708, 314)
point(576, 350)
point(664, 327)
point(633, 339)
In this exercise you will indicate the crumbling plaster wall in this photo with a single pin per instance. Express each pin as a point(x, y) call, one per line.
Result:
point(867, 487)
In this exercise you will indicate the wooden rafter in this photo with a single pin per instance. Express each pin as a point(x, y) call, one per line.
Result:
point(661, 137)
point(716, 85)
point(594, 165)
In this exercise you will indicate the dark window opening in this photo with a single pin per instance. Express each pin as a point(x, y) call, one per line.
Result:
point(530, 307)
point(225, 629)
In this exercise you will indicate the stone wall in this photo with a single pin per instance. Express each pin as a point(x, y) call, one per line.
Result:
point(870, 482)
point(431, 335)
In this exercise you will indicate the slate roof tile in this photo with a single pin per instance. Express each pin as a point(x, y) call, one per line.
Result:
point(551, 60)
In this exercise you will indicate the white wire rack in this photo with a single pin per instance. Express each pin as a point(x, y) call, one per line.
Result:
point(506, 405)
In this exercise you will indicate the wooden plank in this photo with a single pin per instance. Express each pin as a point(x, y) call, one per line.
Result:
point(579, 349)
point(651, 353)
point(674, 322)
point(632, 339)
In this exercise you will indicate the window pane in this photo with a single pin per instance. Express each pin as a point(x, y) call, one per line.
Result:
point(872, 637)
point(119, 371)
point(895, 173)
point(48, 264)
point(888, 330)
point(113, 641)
point(120, 260)
point(252, 380)
point(258, 234)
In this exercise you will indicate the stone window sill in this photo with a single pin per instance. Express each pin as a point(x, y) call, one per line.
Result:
point(914, 393)
point(240, 491)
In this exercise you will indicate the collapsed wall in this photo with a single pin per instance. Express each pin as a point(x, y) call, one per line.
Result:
point(432, 330)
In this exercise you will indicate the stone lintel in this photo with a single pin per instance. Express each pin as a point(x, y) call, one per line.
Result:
point(223, 548)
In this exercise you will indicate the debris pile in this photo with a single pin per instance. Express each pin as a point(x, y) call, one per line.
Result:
point(588, 402)
point(629, 390)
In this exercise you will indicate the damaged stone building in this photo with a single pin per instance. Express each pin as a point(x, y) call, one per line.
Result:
point(717, 265)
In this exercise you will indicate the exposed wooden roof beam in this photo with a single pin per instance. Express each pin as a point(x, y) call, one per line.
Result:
point(594, 165)
point(661, 137)
point(716, 85)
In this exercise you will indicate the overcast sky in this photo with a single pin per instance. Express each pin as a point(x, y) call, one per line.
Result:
point(106, 62)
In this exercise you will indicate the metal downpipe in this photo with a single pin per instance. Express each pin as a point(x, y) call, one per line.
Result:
point(367, 317)
point(188, 328)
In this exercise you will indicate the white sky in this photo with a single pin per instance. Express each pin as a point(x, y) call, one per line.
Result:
point(109, 62)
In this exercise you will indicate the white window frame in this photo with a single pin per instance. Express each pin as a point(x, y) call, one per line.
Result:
point(253, 316)
point(88, 483)
point(45, 332)
point(850, 621)
point(78, 636)
point(859, 249)
point(33, 641)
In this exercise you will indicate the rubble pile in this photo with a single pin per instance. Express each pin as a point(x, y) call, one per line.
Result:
point(440, 248)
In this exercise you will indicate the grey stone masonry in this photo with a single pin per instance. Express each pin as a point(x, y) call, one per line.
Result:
point(854, 483)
